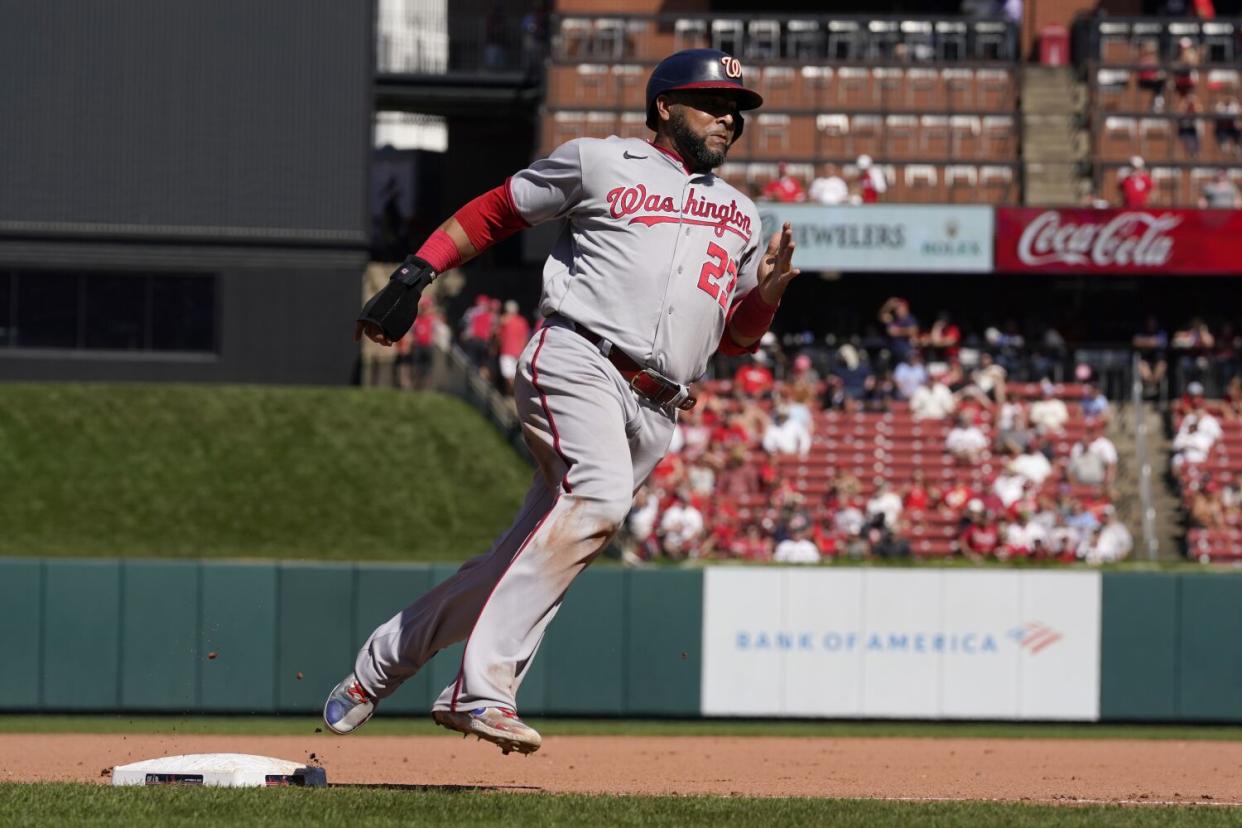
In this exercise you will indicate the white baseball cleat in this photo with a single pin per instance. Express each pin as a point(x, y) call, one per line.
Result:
point(498, 725)
point(348, 707)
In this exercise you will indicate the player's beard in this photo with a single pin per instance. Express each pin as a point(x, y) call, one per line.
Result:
point(693, 147)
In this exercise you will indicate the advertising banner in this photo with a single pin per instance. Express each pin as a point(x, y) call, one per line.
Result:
point(874, 643)
point(1131, 242)
point(905, 238)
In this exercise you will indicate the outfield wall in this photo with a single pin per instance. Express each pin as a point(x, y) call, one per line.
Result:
point(79, 635)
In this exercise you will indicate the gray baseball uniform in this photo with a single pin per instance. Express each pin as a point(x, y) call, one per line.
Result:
point(649, 259)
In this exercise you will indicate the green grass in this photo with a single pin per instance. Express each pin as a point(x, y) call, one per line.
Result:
point(238, 471)
point(422, 726)
point(63, 804)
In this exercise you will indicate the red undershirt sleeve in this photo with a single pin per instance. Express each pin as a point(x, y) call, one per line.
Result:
point(751, 316)
point(490, 218)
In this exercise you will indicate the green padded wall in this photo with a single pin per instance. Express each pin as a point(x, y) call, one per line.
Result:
point(1210, 663)
point(584, 652)
point(159, 636)
point(237, 653)
point(1139, 645)
point(315, 636)
point(21, 622)
point(81, 635)
point(664, 613)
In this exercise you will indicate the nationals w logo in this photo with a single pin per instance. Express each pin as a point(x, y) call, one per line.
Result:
point(732, 67)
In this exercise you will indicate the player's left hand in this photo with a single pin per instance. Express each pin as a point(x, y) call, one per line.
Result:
point(776, 268)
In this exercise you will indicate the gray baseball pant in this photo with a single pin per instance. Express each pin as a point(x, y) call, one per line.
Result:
point(595, 443)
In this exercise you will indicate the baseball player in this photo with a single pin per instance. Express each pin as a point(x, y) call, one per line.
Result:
point(658, 265)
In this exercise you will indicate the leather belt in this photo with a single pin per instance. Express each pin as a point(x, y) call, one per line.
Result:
point(648, 384)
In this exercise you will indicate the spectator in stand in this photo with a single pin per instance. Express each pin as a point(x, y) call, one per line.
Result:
point(1199, 412)
point(479, 325)
point(1095, 406)
point(1220, 193)
point(1186, 73)
point(887, 543)
point(737, 479)
point(1190, 125)
point(1031, 465)
point(1206, 506)
point(1151, 77)
point(848, 524)
point(901, 326)
point(933, 401)
point(785, 188)
point(754, 379)
point(1192, 445)
point(918, 498)
point(512, 333)
point(884, 506)
point(910, 374)
point(830, 189)
point(981, 536)
point(1193, 344)
point(1049, 414)
point(423, 342)
point(1152, 344)
point(989, 378)
point(786, 436)
point(1226, 126)
point(1225, 355)
point(1113, 542)
point(1013, 433)
point(1136, 185)
point(803, 372)
point(1093, 459)
point(797, 399)
point(851, 380)
point(966, 442)
point(944, 338)
point(752, 544)
point(798, 548)
point(871, 181)
point(681, 528)
point(640, 541)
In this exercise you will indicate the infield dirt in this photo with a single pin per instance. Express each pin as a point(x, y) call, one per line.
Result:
point(1033, 770)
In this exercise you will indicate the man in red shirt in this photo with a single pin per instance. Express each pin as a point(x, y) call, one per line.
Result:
point(981, 537)
point(784, 188)
point(512, 334)
point(420, 342)
point(753, 379)
point(1136, 186)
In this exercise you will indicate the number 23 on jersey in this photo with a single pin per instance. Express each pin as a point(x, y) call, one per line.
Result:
point(715, 270)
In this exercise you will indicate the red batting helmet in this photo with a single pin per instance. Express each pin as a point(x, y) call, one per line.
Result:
point(701, 69)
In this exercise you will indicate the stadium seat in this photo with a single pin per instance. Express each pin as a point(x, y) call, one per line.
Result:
point(1118, 140)
point(802, 138)
point(901, 137)
point(776, 85)
point(1166, 186)
point(771, 138)
point(834, 135)
point(729, 36)
point(918, 39)
point(924, 90)
point(965, 131)
point(994, 90)
point(1113, 90)
point(961, 183)
point(763, 40)
point(1116, 47)
point(633, 125)
point(689, 33)
point(866, 135)
point(844, 40)
point(999, 139)
point(804, 40)
point(950, 41)
point(959, 85)
point(996, 184)
point(882, 39)
point(888, 86)
point(991, 40)
point(1220, 40)
point(816, 87)
point(934, 140)
point(1155, 139)
point(631, 83)
point(923, 184)
point(853, 88)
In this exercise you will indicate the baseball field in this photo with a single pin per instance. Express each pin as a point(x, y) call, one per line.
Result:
point(56, 769)
point(223, 472)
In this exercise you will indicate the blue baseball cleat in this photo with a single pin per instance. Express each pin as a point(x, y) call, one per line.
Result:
point(348, 707)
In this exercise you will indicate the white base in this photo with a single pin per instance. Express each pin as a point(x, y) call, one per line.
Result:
point(224, 770)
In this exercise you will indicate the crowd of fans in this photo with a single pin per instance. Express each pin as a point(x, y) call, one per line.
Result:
point(1027, 477)
point(1194, 353)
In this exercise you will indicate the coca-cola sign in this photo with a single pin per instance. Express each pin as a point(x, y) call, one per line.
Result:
point(1118, 241)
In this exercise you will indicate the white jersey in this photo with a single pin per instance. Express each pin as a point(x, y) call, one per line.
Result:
point(650, 256)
